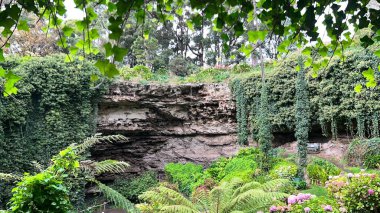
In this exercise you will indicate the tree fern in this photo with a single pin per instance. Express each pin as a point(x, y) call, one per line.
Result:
point(110, 166)
point(115, 197)
point(178, 209)
point(228, 197)
point(98, 138)
point(274, 185)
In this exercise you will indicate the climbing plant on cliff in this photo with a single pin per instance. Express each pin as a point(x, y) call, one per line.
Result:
point(241, 113)
point(302, 118)
point(264, 126)
point(334, 105)
point(54, 107)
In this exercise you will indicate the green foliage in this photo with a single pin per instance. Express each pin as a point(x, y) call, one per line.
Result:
point(333, 103)
point(233, 196)
point(46, 191)
point(187, 176)
point(316, 190)
point(364, 152)
point(316, 205)
point(362, 194)
point(241, 68)
point(179, 66)
point(283, 169)
point(138, 72)
point(372, 161)
point(242, 167)
point(53, 108)
point(133, 187)
point(52, 189)
point(318, 170)
point(302, 119)
point(264, 126)
point(241, 113)
point(210, 75)
point(215, 170)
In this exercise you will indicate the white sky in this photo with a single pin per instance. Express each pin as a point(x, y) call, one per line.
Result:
point(72, 12)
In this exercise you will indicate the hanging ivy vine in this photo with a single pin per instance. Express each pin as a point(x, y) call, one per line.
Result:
point(241, 113)
point(265, 136)
point(302, 119)
point(334, 105)
point(54, 107)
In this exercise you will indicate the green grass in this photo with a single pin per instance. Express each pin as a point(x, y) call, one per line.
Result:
point(316, 190)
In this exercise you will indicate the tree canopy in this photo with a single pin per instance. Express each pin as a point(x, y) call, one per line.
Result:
point(299, 23)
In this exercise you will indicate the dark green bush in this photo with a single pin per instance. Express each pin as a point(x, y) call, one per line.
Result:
point(242, 167)
point(364, 152)
point(241, 68)
point(180, 66)
point(188, 176)
point(133, 187)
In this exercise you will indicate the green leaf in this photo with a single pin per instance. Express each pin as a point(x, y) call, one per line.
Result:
point(106, 68)
point(254, 36)
point(9, 86)
point(146, 34)
point(119, 53)
point(369, 75)
point(67, 31)
point(358, 88)
point(377, 53)
point(23, 25)
point(2, 72)
point(2, 55)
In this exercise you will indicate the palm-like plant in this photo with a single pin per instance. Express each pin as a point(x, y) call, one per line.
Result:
point(67, 168)
point(234, 196)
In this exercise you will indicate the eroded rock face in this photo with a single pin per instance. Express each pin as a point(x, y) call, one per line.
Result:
point(167, 123)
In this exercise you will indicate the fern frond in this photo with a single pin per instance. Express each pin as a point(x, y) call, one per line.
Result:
point(274, 185)
point(9, 177)
point(177, 209)
point(254, 198)
point(97, 138)
point(246, 187)
point(166, 197)
point(110, 166)
point(115, 197)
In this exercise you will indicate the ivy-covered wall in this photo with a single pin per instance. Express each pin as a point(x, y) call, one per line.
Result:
point(335, 107)
point(54, 107)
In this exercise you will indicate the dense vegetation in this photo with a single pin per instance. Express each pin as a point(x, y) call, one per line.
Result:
point(315, 87)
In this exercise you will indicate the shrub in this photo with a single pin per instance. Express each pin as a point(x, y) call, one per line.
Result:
point(132, 188)
point(284, 169)
point(138, 72)
point(362, 194)
point(241, 68)
point(242, 167)
point(316, 205)
point(319, 170)
point(372, 161)
point(179, 66)
point(363, 152)
point(188, 176)
point(215, 170)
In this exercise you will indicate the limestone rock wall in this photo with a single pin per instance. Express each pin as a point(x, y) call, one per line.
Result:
point(167, 123)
